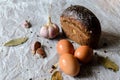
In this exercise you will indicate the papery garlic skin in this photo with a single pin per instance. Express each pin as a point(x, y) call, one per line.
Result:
point(35, 45)
point(44, 32)
point(26, 24)
point(53, 31)
point(50, 30)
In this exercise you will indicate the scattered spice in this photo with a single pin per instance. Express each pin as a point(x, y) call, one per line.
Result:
point(27, 69)
point(27, 24)
point(107, 63)
point(2, 50)
point(53, 67)
point(51, 70)
point(56, 76)
point(38, 36)
point(104, 44)
point(15, 42)
point(47, 42)
point(30, 79)
point(105, 51)
point(50, 47)
point(95, 53)
point(31, 32)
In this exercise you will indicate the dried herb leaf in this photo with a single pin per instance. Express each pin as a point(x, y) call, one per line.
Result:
point(15, 42)
point(107, 63)
point(56, 76)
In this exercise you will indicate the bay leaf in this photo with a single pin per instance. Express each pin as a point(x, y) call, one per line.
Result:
point(107, 63)
point(56, 76)
point(15, 42)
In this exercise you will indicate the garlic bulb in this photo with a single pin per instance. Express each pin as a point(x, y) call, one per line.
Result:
point(49, 30)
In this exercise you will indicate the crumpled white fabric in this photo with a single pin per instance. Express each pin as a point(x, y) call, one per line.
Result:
point(18, 63)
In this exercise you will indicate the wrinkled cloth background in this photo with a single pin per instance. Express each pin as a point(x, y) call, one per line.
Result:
point(18, 63)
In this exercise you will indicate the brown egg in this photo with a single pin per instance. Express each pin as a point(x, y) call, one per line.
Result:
point(65, 46)
point(69, 64)
point(84, 54)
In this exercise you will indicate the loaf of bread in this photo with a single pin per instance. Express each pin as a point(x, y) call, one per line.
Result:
point(81, 25)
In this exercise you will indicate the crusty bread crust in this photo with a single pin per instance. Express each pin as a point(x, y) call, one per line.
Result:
point(81, 25)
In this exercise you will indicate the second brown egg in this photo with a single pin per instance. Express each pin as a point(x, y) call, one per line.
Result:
point(65, 46)
point(84, 54)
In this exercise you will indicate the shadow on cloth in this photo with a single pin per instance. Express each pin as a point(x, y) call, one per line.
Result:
point(87, 69)
point(108, 40)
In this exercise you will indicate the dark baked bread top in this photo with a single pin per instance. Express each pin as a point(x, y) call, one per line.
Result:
point(85, 16)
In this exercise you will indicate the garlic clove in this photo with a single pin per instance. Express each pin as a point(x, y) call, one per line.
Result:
point(52, 33)
point(57, 29)
point(35, 45)
point(44, 32)
point(41, 52)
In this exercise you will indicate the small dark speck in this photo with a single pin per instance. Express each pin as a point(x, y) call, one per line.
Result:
point(104, 44)
point(37, 58)
point(98, 72)
point(50, 47)
point(72, 42)
point(30, 79)
point(1, 50)
point(53, 67)
point(95, 53)
point(47, 42)
point(31, 32)
point(6, 55)
point(27, 69)
point(38, 36)
point(105, 51)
